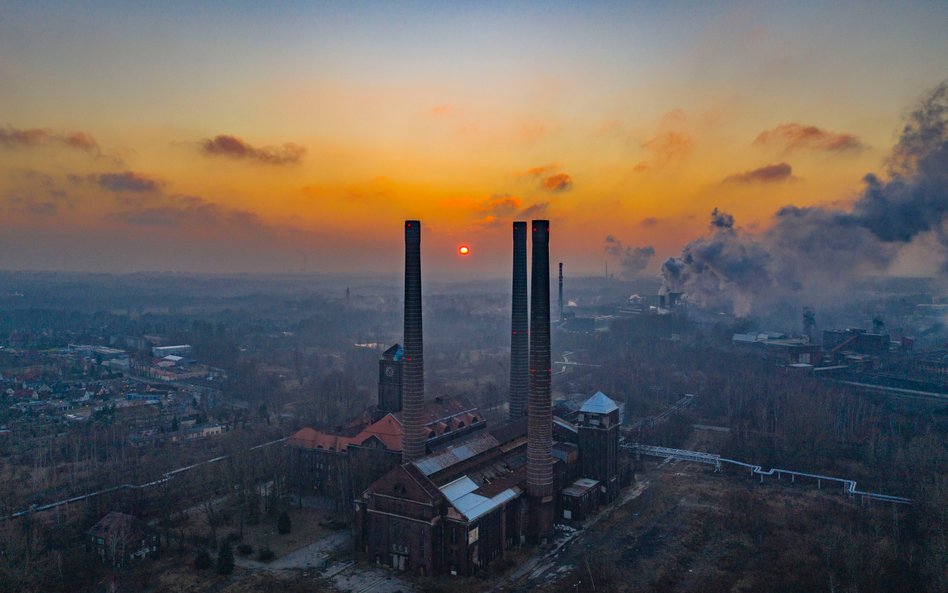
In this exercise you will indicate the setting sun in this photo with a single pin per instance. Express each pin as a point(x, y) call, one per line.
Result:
point(464, 249)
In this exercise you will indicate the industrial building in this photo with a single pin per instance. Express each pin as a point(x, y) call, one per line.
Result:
point(451, 508)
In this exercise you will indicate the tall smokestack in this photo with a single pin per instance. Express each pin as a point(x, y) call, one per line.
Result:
point(540, 408)
point(519, 340)
point(561, 291)
point(413, 363)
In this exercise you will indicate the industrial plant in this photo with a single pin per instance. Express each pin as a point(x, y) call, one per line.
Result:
point(437, 490)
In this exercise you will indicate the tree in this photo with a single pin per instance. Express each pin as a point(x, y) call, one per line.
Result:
point(202, 561)
point(283, 523)
point(225, 559)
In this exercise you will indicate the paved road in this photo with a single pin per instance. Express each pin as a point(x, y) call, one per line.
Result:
point(314, 555)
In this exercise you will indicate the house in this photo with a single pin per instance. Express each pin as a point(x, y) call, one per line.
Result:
point(120, 540)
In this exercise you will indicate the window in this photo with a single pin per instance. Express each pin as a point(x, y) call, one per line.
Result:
point(472, 535)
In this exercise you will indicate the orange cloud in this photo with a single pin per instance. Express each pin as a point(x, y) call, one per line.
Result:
point(669, 146)
point(541, 170)
point(558, 183)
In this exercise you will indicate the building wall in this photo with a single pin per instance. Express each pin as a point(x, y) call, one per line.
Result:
point(599, 450)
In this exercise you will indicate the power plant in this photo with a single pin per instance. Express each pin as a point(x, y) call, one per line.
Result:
point(452, 505)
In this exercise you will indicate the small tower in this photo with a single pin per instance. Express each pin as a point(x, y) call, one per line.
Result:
point(598, 423)
point(390, 379)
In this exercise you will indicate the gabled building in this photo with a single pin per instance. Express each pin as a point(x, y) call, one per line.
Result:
point(120, 540)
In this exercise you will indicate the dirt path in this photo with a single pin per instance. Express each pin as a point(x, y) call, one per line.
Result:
point(545, 567)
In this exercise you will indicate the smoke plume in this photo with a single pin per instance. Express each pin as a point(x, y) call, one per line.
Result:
point(814, 252)
point(633, 260)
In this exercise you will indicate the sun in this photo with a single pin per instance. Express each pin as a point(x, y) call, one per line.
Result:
point(464, 249)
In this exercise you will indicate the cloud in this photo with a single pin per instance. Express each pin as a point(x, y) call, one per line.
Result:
point(541, 170)
point(815, 253)
point(502, 208)
point(550, 178)
point(33, 193)
point(441, 110)
point(721, 220)
point(633, 260)
point(182, 212)
point(33, 206)
point(234, 147)
point(500, 205)
point(802, 137)
point(127, 181)
point(15, 138)
point(537, 210)
point(558, 183)
point(767, 174)
point(669, 146)
point(649, 221)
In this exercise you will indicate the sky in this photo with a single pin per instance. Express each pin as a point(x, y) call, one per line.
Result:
point(250, 137)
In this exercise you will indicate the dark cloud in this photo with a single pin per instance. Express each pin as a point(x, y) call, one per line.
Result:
point(633, 260)
point(799, 136)
point(127, 181)
point(234, 147)
point(767, 174)
point(14, 138)
point(814, 251)
point(558, 183)
point(721, 220)
point(649, 221)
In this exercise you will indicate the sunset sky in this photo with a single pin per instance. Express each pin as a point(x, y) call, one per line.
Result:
point(243, 137)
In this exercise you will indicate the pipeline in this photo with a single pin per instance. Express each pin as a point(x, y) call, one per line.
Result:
point(849, 486)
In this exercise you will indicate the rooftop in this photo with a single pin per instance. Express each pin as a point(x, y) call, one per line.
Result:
point(599, 404)
point(460, 493)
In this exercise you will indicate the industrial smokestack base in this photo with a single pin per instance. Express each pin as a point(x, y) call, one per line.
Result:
point(540, 407)
point(519, 320)
point(413, 363)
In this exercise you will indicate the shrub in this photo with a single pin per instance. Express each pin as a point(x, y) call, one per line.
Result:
point(283, 523)
point(225, 559)
point(245, 549)
point(266, 555)
point(202, 561)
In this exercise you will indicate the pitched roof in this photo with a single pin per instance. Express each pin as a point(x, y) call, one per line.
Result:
point(599, 403)
point(461, 493)
point(119, 527)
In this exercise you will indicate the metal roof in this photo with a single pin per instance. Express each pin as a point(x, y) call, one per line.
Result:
point(461, 495)
point(599, 404)
point(436, 462)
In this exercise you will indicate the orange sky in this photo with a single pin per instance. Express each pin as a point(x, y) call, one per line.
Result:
point(228, 138)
